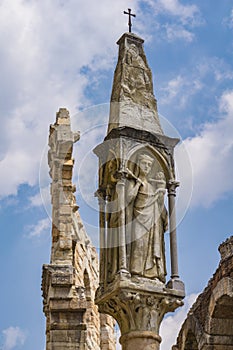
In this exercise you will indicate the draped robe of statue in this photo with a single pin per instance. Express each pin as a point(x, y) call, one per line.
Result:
point(149, 222)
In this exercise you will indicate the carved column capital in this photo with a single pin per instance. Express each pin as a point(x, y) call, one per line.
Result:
point(100, 194)
point(138, 311)
point(121, 176)
point(171, 188)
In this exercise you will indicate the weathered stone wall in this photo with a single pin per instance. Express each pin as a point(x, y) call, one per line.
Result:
point(209, 324)
point(70, 280)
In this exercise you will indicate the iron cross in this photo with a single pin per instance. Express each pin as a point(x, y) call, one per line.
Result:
point(130, 15)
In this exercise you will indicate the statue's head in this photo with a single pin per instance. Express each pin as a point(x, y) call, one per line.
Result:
point(160, 176)
point(145, 163)
point(133, 50)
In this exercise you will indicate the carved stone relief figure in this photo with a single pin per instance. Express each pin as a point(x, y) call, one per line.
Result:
point(133, 58)
point(136, 83)
point(146, 219)
point(149, 220)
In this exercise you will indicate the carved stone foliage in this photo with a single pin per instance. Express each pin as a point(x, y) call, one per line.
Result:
point(138, 311)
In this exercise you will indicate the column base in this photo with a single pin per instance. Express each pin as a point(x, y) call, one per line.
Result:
point(140, 340)
point(177, 284)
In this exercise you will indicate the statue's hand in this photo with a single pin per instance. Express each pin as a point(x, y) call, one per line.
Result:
point(140, 181)
point(131, 174)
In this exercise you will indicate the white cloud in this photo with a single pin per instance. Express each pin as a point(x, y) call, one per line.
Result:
point(229, 20)
point(216, 67)
point(93, 123)
point(43, 226)
point(171, 324)
point(211, 154)
point(181, 18)
point(36, 200)
point(45, 46)
point(175, 8)
point(43, 198)
point(13, 337)
point(179, 90)
point(173, 89)
point(178, 32)
point(118, 334)
point(206, 75)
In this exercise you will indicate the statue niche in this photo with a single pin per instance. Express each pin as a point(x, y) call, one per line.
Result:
point(149, 219)
point(146, 218)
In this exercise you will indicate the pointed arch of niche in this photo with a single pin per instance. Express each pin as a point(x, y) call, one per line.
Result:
point(159, 160)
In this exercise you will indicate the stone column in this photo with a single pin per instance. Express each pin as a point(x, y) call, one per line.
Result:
point(140, 341)
point(102, 238)
point(174, 282)
point(120, 188)
point(172, 224)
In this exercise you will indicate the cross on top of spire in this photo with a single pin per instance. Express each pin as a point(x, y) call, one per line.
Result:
point(130, 15)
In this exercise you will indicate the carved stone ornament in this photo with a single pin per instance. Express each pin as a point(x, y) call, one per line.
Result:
point(138, 311)
point(138, 305)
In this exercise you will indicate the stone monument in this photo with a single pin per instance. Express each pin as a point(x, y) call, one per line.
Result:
point(136, 172)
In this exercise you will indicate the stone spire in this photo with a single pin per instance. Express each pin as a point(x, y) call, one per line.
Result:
point(132, 102)
point(136, 171)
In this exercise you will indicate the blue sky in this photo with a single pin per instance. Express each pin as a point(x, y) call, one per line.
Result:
point(62, 54)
